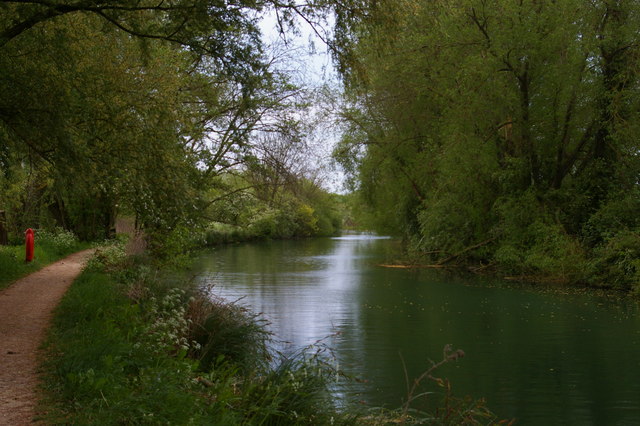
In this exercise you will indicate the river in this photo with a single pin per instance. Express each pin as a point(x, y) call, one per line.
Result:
point(542, 357)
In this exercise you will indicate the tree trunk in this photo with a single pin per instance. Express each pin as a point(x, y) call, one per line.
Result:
point(4, 237)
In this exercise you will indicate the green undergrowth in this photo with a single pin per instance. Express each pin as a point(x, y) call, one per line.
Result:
point(132, 345)
point(50, 246)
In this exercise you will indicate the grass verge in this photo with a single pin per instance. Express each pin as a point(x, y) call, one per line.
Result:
point(49, 247)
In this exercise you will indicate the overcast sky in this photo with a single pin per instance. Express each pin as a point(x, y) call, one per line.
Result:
point(310, 51)
point(305, 56)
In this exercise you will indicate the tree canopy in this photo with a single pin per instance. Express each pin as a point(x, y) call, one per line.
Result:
point(139, 107)
point(500, 131)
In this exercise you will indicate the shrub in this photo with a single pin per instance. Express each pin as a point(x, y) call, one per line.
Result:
point(169, 245)
point(166, 330)
point(109, 257)
point(534, 242)
point(307, 223)
point(58, 240)
point(616, 262)
point(553, 252)
point(219, 233)
point(264, 224)
point(618, 214)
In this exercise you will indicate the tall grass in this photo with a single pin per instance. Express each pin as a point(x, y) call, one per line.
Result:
point(226, 333)
point(104, 367)
point(49, 247)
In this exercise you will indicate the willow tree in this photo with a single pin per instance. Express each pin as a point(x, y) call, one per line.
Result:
point(136, 106)
point(500, 131)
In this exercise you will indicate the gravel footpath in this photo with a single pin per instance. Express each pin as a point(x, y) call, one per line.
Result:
point(25, 312)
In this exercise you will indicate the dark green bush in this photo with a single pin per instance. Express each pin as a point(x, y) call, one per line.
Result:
point(616, 262)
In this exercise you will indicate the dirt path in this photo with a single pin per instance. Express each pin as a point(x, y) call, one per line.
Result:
point(25, 311)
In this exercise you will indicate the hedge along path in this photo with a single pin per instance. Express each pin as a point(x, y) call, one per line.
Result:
point(26, 308)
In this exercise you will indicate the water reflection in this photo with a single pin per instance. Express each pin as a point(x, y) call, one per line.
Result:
point(542, 357)
point(307, 293)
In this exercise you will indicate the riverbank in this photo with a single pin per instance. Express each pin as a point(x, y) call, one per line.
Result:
point(466, 269)
point(128, 346)
point(613, 270)
point(131, 344)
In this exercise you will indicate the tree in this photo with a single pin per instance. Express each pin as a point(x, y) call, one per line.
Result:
point(495, 124)
point(136, 107)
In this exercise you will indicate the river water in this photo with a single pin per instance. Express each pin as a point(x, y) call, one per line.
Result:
point(542, 357)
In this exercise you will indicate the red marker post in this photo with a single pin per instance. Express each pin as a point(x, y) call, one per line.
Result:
point(29, 243)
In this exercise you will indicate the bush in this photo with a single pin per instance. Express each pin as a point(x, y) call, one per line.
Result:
point(58, 240)
point(535, 243)
point(553, 253)
point(170, 244)
point(219, 233)
point(108, 257)
point(307, 223)
point(618, 214)
point(616, 262)
point(265, 224)
point(543, 251)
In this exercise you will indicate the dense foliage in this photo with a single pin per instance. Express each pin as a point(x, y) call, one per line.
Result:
point(115, 107)
point(500, 132)
point(298, 208)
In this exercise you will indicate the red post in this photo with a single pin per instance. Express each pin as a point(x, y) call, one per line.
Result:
point(29, 243)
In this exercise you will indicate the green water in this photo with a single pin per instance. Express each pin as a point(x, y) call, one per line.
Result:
point(542, 357)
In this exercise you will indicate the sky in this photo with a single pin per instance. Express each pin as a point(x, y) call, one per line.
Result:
point(306, 57)
point(311, 53)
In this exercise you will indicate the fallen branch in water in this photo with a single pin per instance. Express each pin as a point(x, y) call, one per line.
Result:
point(441, 263)
point(473, 247)
point(384, 265)
point(481, 267)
